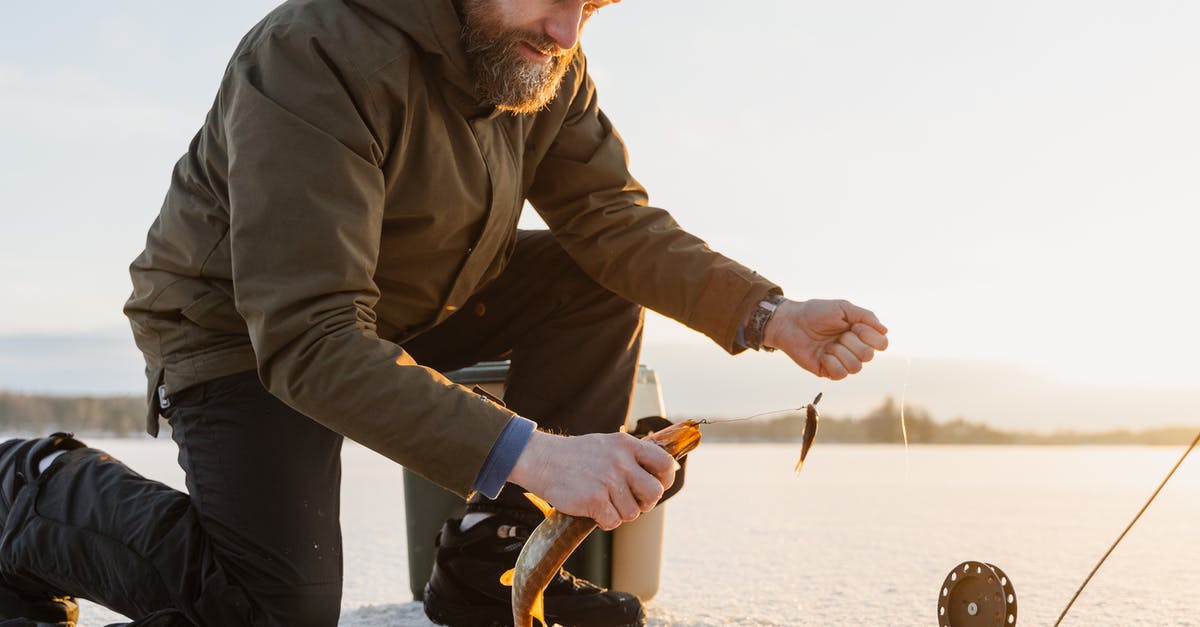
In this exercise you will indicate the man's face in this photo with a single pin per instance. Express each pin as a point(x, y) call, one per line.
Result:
point(520, 49)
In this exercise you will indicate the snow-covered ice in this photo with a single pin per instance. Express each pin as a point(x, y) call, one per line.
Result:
point(864, 536)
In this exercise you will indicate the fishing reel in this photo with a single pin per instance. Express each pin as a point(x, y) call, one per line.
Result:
point(977, 594)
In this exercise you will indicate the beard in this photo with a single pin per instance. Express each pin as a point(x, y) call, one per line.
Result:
point(504, 78)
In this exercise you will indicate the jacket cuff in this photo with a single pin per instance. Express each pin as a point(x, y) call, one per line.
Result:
point(503, 457)
point(725, 307)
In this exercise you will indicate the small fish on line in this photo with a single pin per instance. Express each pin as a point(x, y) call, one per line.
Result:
point(811, 418)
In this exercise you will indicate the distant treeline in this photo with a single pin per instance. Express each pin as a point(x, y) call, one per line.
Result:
point(882, 426)
point(108, 415)
point(125, 415)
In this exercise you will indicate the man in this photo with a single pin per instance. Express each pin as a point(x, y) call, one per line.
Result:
point(342, 228)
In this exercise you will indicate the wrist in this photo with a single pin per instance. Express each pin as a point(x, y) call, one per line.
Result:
point(755, 328)
point(531, 464)
point(772, 330)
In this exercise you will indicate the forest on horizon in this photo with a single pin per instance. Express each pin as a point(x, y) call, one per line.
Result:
point(882, 425)
point(125, 416)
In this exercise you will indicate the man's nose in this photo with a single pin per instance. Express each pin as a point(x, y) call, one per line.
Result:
point(565, 25)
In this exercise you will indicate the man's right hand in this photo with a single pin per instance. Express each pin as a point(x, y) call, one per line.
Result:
point(608, 477)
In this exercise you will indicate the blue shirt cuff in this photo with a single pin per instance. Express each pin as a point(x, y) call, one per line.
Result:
point(503, 456)
point(740, 338)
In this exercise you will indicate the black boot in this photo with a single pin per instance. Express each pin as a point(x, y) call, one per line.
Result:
point(45, 610)
point(465, 590)
point(24, 622)
point(18, 467)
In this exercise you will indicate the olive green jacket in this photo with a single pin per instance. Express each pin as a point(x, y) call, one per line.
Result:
point(346, 192)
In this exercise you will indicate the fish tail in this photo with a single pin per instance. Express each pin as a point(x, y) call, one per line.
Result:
point(538, 610)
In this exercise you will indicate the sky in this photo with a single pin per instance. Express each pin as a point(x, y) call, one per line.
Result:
point(1010, 186)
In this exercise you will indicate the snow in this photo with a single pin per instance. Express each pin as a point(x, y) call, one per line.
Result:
point(865, 535)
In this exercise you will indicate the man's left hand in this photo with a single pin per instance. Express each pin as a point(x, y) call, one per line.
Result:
point(829, 338)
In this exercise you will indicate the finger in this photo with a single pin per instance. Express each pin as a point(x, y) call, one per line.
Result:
point(606, 516)
point(831, 368)
point(849, 360)
point(855, 345)
point(869, 336)
point(624, 502)
point(647, 490)
point(609, 526)
point(856, 315)
point(656, 461)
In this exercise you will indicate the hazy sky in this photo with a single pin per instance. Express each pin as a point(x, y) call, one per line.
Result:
point(1003, 183)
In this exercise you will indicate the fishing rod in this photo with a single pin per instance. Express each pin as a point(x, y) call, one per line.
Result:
point(978, 594)
point(1127, 528)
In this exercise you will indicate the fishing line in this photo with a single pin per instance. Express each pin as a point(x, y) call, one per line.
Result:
point(717, 421)
point(903, 422)
point(1127, 528)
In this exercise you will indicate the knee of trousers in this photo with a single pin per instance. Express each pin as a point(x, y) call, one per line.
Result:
point(577, 287)
point(63, 538)
point(53, 543)
point(619, 309)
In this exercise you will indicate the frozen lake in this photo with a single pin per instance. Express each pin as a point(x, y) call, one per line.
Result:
point(864, 536)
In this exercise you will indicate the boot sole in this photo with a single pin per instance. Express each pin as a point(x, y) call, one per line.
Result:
point(474, 616)
point(439, 613)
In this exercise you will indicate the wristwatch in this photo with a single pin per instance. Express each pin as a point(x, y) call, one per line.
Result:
point(756, 326)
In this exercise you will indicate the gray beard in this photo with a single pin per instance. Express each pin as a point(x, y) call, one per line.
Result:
point(503, 77)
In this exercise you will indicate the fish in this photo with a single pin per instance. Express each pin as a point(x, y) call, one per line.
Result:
point(811, 418)
point(553, 541)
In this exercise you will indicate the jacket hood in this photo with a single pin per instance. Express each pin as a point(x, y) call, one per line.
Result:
point(436, 27)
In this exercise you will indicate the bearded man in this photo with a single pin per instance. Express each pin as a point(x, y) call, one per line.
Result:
point(341, 230)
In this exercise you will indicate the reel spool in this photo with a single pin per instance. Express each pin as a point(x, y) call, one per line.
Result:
point(977, 594)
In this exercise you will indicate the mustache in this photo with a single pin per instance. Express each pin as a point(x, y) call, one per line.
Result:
point(544, 44)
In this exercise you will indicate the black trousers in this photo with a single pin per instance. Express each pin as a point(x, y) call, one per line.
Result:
point(256, 540)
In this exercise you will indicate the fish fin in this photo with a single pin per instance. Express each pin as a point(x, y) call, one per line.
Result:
point(541, 504)
point(538, 610)
point(799, 463)
point(507, 577)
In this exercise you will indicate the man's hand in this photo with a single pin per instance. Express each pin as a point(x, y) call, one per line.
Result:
point(608, 477)
point(829, 338)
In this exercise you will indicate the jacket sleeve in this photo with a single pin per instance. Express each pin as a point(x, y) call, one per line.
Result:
point(601, 216)
point(305, 213)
